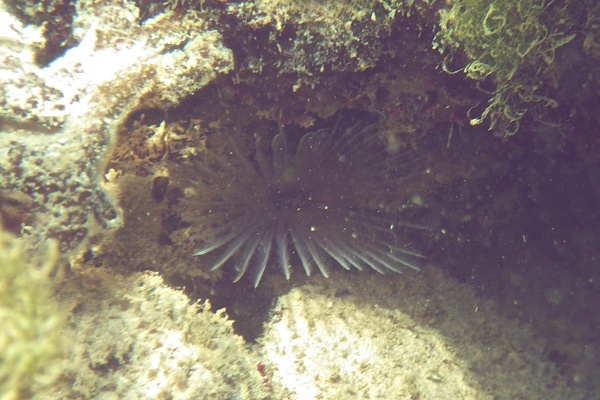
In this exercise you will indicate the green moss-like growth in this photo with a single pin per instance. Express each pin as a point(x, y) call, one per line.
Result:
point(591, 29)
point(511, 43)
point(30, 326)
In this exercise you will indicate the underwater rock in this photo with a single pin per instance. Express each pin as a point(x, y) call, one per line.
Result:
point(419, 336)
point(135, 338)
point(58, 123)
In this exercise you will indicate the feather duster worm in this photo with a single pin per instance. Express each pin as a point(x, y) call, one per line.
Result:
point(316, 204)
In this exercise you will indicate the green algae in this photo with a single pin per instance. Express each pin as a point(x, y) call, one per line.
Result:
point(512, 44)
point(30, 344)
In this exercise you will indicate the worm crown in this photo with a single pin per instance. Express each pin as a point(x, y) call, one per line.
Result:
point(330, 199)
